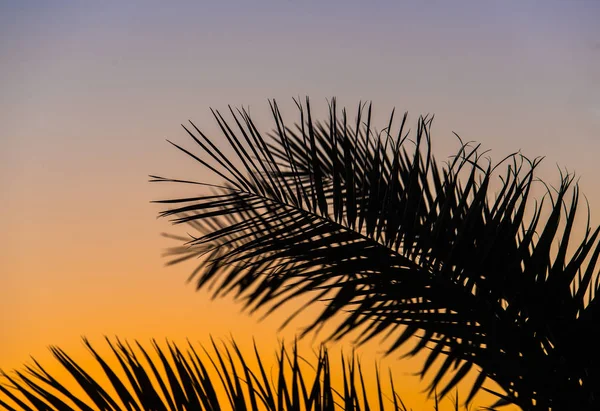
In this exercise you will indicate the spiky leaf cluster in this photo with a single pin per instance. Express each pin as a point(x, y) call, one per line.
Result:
point(372, 224)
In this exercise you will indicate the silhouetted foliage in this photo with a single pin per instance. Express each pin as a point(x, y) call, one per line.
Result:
point(376, 227)
point(177, 380)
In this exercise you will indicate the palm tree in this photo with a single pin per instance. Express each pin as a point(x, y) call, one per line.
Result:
point(394, 241)
point(337, 213)
point(179, 379)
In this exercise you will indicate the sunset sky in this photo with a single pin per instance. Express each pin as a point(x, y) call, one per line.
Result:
point(89, 91)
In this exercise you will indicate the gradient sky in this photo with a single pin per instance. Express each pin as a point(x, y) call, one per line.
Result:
point(90, 90)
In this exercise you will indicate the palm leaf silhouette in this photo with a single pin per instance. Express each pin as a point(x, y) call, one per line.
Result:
point(396, 242)
point(189, 379)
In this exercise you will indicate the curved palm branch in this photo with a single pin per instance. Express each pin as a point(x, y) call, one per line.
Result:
point(179, 379)
point(384, 233)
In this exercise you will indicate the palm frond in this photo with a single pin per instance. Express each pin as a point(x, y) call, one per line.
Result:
point(394, 241)
point(175, 379)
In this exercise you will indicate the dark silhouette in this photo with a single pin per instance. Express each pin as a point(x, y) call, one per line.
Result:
point(376, 227)
point(371, 224)
point(179, 379)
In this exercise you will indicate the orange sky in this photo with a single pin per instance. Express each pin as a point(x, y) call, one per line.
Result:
point(91, 92)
